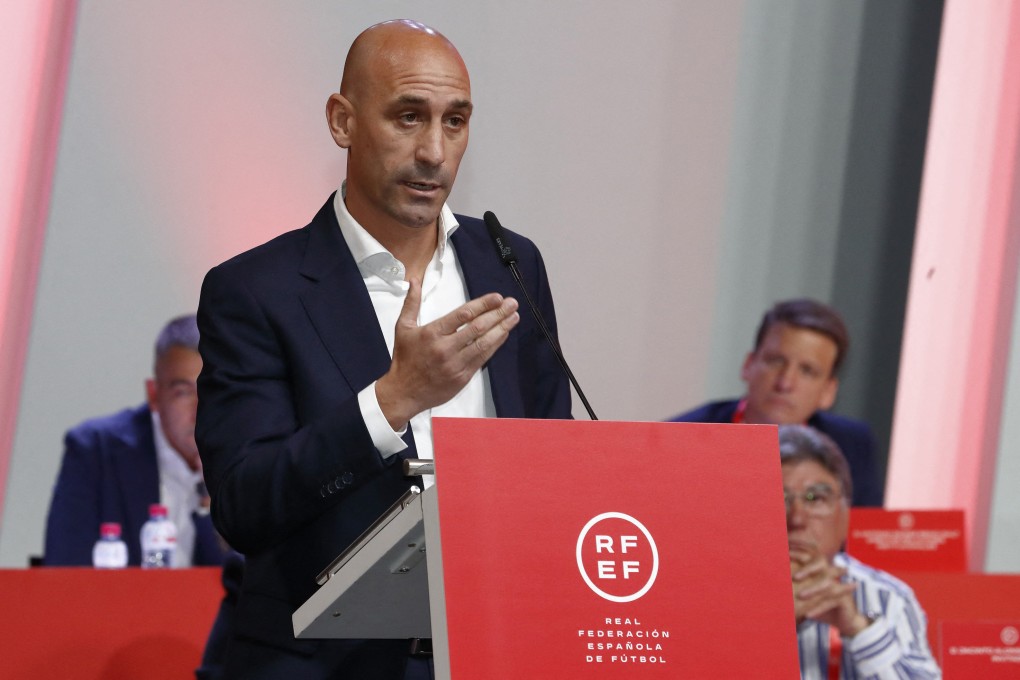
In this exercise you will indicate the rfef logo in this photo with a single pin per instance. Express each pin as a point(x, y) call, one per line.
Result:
point(1009, 636)
point(617, 557)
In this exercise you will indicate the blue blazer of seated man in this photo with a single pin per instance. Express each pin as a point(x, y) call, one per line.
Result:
point(115, 466)
point(792, 378)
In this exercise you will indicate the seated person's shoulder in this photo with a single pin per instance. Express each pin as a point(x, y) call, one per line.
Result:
point(712, 412)
point(842, 428)
point(126, 425)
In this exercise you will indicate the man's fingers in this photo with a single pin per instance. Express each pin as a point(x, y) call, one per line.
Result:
point(412, 305)
point(800, 557)
point(810, 569)
point(458, 319)
point(493, 322)
point(831, 602)
point(831, 590)
point(486, 344)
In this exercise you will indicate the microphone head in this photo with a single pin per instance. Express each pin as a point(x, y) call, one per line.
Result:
point(506, 254)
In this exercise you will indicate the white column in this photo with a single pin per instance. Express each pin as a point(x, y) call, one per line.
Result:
point(964, 274)
point(35, 45)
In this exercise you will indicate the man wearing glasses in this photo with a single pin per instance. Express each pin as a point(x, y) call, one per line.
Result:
point(852, 620)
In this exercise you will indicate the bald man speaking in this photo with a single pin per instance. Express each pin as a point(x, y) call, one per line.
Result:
point(328, 350)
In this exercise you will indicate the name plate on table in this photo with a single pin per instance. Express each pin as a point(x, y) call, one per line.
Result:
point(989, 650)
point(908, 540)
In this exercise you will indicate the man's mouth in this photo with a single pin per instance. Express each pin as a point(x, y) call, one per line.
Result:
point(801, 544)
point(422, 186)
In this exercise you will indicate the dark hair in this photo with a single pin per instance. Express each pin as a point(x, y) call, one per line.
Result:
point(812, 315)
point(179, 332)
point(800, 443)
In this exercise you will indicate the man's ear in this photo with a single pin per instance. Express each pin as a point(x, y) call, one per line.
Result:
point(746, 368)
point(340, 118)
point(150, 394)
point(828, 397)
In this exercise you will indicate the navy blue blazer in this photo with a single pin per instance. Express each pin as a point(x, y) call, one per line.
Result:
point(109, 474)
point(853, 437)
point(288, 339)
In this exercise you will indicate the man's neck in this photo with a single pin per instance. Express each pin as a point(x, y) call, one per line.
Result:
point(752, 417)
point(412, 246)
point(414, 249)
point(745, 413)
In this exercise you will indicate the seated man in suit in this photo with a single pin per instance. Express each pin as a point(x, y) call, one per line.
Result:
point(114, 467)
point(792, 377)
point(850, 617)
point(328, 350)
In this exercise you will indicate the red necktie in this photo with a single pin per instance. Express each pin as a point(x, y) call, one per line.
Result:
point(835, 652)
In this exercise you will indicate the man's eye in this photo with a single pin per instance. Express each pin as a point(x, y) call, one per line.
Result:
point(455, 121)
point(816, 496)
point(409, 117)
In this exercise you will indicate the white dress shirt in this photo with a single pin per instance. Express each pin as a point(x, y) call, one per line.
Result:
point(443, 290)
point(178, 491)
point(894, 646)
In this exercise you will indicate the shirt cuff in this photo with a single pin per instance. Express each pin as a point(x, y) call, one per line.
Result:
point(874, 648)
point(383, 436)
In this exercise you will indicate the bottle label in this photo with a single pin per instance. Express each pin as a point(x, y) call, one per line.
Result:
point(110, 554)
point(159, 538)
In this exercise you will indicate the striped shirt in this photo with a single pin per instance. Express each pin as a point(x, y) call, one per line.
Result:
point(894, 646)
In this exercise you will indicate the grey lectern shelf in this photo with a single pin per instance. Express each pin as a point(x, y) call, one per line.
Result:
point(379, 587)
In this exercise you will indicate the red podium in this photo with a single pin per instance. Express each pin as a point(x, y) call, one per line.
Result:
point(565, 549)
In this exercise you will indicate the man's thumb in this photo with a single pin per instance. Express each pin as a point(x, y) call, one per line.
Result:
point(412, 305)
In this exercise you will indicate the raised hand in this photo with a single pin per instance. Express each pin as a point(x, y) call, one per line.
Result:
point(432, 363)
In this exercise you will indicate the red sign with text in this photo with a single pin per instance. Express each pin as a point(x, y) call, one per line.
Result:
point(988, 650)
point(908, 540)
point(613, 550)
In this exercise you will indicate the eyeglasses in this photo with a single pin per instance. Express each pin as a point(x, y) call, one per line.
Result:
point(819, 500)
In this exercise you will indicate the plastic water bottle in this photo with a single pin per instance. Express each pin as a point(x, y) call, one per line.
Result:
point(159, 539)
point(110, 552)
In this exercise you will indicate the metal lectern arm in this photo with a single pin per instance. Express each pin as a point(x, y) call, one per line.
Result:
point(417, 467)
point(368, 534)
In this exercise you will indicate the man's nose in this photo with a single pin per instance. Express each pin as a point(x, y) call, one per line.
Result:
point(786, 379)
point(795, 515)
point(431, 145)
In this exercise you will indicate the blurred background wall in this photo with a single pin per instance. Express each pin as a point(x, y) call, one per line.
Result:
point(681, 165)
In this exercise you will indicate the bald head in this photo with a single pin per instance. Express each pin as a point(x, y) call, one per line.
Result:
point(387, 44)
point(402, 114)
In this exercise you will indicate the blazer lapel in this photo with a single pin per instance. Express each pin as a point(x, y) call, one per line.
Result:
point(338, 305)
point(137, 472)
point(485, 273)
point(340, 310)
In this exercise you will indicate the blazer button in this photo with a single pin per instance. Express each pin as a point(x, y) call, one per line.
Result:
point(338, 483)
point(348, 477)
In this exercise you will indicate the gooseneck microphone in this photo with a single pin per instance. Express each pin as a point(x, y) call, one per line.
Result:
point(506, 254)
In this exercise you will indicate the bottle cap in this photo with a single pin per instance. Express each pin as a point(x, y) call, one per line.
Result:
point(157, 510)
point(111, 529)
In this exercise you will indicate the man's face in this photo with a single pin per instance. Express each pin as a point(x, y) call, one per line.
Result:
point(408, 131)
point(789, 376)
point(173, 394)
point(818, 523)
